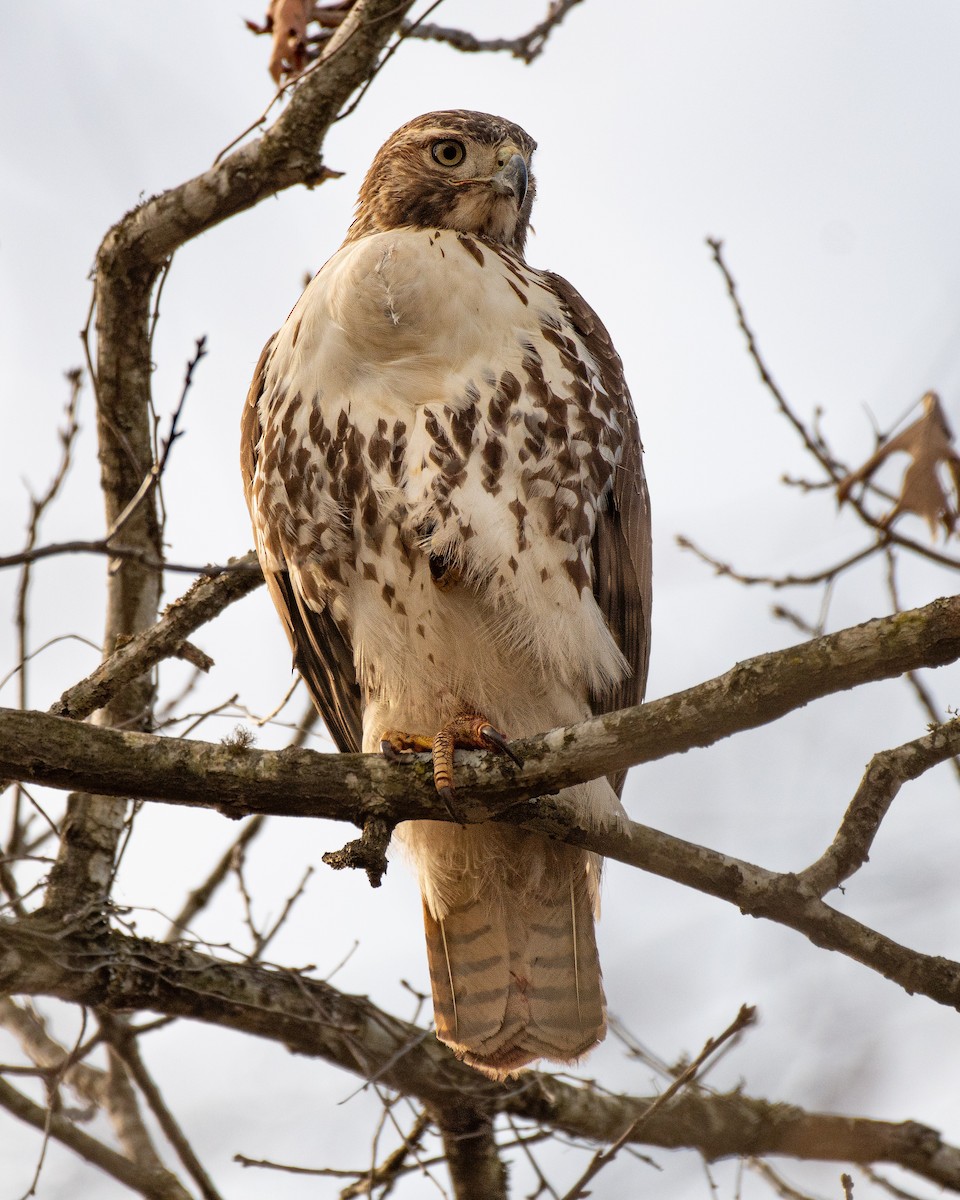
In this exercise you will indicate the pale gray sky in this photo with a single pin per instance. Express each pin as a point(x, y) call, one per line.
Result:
point(819, 140)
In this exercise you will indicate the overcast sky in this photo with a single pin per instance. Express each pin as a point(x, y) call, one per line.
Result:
point(819, 141)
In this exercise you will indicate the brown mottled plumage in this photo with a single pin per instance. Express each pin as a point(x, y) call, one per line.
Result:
point(444, 475)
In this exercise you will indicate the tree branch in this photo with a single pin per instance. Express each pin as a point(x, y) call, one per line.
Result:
point(129, 261)
point(108, 549)
point(527, 47)
point(746, 1016)
point(886, 773)
point(833, 469)
point(87, 1082)
point(123, 1108)
point(295, 782)
point(123, 1041)
point(470, 1148)
point(153, 1184)
point(366, 788)
point(202, 603)
point(310, 1017)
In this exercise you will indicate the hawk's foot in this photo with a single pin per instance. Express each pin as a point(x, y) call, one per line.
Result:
point(398, 746)
point(469, 731)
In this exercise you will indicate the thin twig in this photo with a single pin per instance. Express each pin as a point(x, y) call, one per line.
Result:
point(833, 469)
point(890, 1188)
point(778, 581)
point(150, 1184)
point(128, 553)
point(785, 1190)
point(602, 1158)
point(264, 940)
point(385, 57)
point(38, 506)
point(201, 896)
point(836, 471)
point(155, 474)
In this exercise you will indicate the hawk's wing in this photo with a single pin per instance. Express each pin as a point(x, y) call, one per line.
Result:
point(321, 654)
point(622, 560)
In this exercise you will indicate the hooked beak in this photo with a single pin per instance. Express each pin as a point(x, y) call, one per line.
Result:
point(511, 180)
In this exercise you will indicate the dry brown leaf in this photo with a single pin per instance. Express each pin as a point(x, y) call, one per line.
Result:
point(929, 442)
point(287, 21)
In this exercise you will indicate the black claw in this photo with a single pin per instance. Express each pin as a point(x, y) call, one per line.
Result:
point(448, 797)
point(499, 743)
point(391, 753)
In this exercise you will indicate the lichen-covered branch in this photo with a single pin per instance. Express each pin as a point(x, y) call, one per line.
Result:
point(239, 781)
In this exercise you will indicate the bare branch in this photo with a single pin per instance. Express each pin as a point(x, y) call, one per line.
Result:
point(152, 1184)
point(295, 47)
point(367, 1179)
point(776, 1181)
point(200, 897)
point(105, 547)
point(833, 469)
point(780, 581)
point(886, 773)
point(920, 689)
point(470, 1149)
point(310, 1017)
point(527, 47)
point(129, 262)
point(120, 1102)
point(202, 603)
point(155, 474)
point(393, 1166)
point(124, 1042)
point(89, 1083)
point(38, 507)
point(885, 1184)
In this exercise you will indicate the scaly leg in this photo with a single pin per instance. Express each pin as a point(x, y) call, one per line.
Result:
point(469, 731)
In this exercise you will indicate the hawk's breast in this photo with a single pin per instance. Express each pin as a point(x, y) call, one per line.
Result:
point(429, 416)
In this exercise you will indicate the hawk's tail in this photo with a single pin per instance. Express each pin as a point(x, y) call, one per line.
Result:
point(514, 963)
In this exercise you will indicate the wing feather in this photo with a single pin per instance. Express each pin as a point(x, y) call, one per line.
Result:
point(321, 652)
point(622, 560)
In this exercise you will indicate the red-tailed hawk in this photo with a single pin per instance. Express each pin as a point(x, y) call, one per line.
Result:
point(444, 474)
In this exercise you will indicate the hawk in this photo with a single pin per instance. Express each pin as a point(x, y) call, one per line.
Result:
point(444, 475)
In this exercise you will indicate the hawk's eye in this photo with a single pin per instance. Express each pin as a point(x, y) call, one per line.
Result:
point(448, 153)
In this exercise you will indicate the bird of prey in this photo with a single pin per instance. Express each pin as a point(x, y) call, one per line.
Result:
point(444, 474)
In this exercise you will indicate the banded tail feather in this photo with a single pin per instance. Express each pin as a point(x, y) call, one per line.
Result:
point(515, 972)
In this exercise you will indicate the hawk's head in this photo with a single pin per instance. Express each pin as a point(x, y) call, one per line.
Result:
point(451, 170)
